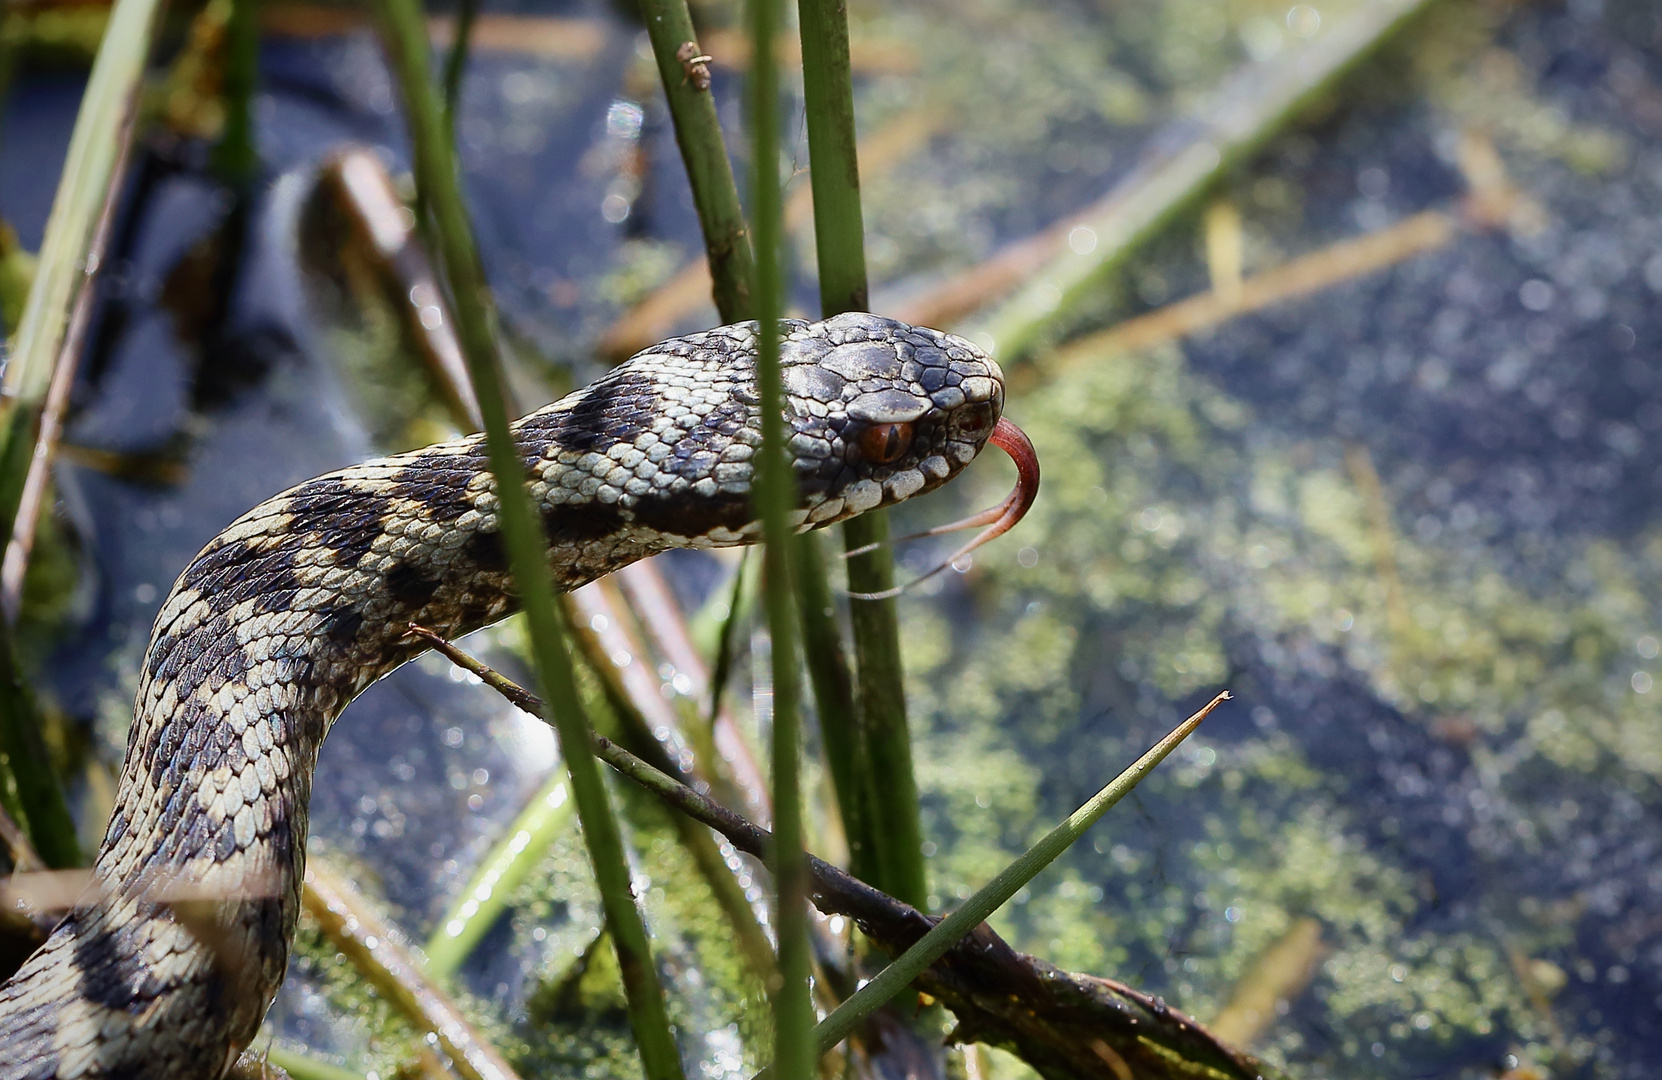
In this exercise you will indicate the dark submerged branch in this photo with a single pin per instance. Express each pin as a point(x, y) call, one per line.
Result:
point(1062, 1023)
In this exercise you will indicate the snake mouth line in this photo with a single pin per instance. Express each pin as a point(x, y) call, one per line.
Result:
point(998, 519)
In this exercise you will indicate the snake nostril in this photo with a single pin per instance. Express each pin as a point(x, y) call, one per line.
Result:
point(976, 421)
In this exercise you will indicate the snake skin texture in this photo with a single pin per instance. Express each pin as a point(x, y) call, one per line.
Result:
point(167, 967)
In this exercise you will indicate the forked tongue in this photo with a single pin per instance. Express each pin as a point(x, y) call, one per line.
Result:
point(998, 519)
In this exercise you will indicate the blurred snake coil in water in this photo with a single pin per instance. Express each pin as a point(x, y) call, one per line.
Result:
point(166, 965)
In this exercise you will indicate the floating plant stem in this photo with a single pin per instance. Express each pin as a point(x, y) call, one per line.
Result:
point(1063, 264)
point(377, 950)
point(304, 1067)
point(482, 902)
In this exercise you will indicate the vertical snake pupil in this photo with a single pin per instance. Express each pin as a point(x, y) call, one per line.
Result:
point(883, 443)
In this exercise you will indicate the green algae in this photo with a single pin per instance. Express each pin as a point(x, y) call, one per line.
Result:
point(1172, 527)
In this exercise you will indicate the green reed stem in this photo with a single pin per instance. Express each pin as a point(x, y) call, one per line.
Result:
point(876, 787)
point(698, 133)
point(510, 861)
point(305, 1067)
point(236, 158)
point(89, 170)
point(834, 167)
point(436, 175)
point(17, 273)
point(34, 798)
point(993, 895)
point(455, 65)
point(833, 685)
point(61, 273)
point(793, 1016)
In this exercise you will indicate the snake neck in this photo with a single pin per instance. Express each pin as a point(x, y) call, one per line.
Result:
point(268, 634)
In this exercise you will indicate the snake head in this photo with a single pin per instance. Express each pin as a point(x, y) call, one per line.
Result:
point(881, 411)
point(661, 452)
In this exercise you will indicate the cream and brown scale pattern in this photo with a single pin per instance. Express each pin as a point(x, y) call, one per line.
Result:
point(167, 966)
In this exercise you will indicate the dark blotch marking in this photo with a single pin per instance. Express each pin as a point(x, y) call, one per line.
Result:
point(320, 497)
point(211, 563)
point(440, 485)
point(180, 800)
point(278, 599)
point(349, 538)
point(233, 665)
point(164, 658)
point(341, 625)
point(277, 582)
point(344, 520)
point(576, 525)
point(693, 517)
point(486, 551)
point(109, 966)
point(612, 410)
point(211, 657)
point(410, 587)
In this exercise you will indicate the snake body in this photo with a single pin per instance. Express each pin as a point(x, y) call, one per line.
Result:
point(167, 966)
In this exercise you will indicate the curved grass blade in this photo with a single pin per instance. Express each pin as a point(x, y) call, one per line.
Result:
point(377, 950)
point(303, 1067)
point(1252, 105)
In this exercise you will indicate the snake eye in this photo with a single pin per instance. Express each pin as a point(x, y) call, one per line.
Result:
point(883, 443)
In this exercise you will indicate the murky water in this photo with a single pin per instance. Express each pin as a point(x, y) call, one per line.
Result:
point(1408, 519)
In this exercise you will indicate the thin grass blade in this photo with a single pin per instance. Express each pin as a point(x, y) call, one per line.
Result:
point(872, 766)
point(993, 895)
point(63, 270)
point(437, 176)
point(775, 497)
point(698, 134)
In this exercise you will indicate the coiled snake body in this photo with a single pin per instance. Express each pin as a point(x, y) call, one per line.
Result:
point(303, 602)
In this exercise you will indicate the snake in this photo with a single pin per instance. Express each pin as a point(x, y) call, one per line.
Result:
point(165, 966)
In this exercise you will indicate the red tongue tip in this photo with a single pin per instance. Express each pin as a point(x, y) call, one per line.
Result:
point(999, 519)
point(1014, 441)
